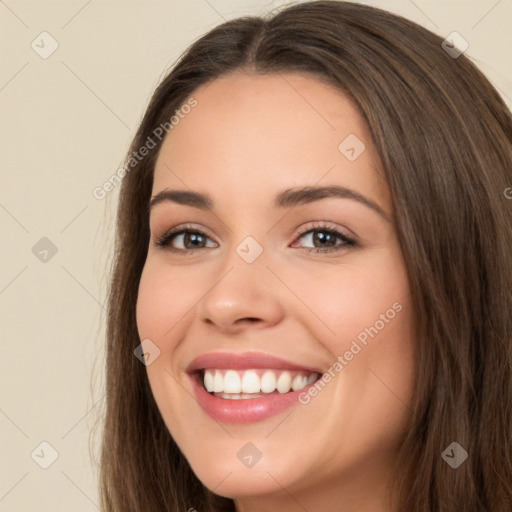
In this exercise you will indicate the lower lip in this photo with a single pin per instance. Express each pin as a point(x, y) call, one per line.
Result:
point(249, 410)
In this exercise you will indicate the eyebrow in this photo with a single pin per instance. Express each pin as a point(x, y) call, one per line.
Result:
point(287, 198)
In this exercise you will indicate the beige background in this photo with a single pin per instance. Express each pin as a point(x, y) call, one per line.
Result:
point(67, 121)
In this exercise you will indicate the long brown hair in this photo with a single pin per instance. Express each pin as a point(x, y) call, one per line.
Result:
point(444, 136)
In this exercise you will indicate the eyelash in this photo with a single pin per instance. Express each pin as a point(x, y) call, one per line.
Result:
point(166, 239)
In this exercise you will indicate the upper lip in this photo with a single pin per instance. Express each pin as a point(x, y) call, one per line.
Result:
point(245, 361)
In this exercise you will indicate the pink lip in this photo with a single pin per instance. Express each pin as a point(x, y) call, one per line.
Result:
point(244, 361)
point(250, 410)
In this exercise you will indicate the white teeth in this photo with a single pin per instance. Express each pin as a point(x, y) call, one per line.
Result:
point(284, 382)
point(208, 382)
point(239, 384)
point(232, 382)
point(250, 382)
point(299, 382)
point(268, 382)
point(218, 382)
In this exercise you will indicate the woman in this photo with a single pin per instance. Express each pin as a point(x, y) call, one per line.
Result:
point(335, 145)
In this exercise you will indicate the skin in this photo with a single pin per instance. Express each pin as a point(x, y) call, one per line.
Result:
point(249, 137)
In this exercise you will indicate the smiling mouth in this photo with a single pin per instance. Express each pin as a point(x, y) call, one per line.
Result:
point(235, 384)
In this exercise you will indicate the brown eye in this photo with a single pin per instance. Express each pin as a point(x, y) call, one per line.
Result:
point(324, 239)
point(189, 239)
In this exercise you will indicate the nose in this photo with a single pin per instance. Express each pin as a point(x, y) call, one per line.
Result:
point(241, 296)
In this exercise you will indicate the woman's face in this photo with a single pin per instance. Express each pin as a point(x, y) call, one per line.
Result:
point(315, 279)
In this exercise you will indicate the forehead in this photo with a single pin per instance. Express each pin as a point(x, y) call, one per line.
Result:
point(251, 133)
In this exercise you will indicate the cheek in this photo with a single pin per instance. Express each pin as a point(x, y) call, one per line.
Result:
point(364, 314)
point(163, 299)
point(353, 297)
